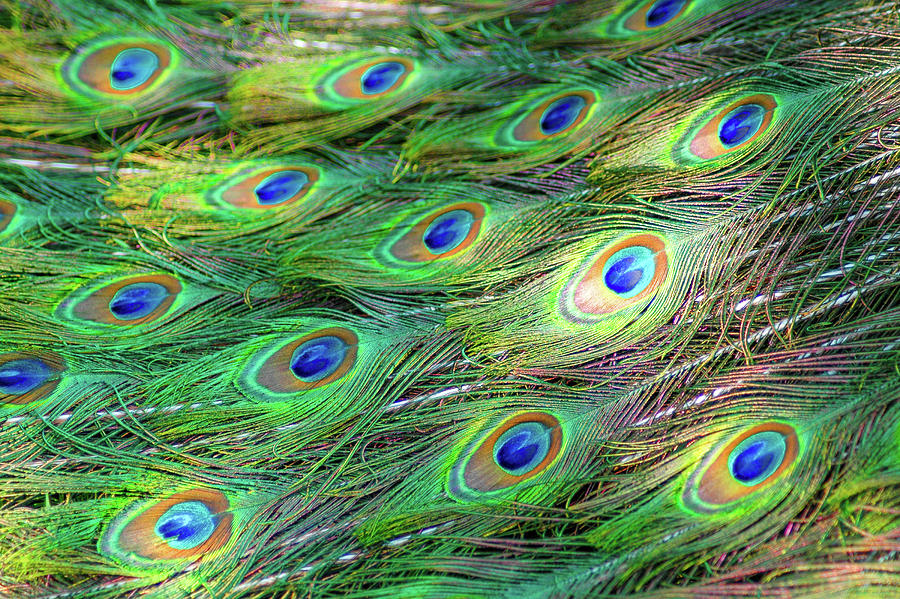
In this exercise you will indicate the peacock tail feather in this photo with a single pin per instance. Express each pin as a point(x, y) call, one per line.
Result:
point(463, 298)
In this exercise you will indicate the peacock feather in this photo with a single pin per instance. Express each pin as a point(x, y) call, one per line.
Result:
point(460, 298)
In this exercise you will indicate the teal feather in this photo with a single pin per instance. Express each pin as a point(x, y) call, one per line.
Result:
point(450, 299)
point(430, 236)
point(74, 91)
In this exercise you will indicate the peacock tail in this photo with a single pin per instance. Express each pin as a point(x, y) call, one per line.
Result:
point(449, 299)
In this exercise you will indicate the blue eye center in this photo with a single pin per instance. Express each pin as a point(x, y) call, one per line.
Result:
point(663, 11)
point(447, 231)
point(630, 270)
point(318, 358)
point(757, 457)
point(560, 115)
point(280, 187)
point(522, 448)
point(381, 77)
point(186, 525)
point(137, 300)
point(18, 377)
point(132, 68)
point(741, 124)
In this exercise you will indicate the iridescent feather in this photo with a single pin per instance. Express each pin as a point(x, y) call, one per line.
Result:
point(463, 298)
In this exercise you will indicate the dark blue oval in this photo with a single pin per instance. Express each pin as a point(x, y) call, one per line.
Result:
point(280, 187)
point(757, 457)
point(517, 451)
point(381, 77)
point(741, 124)
point(560, 115)
point(137, 300)
point(752, 462)
point(179, 528)
point(447, 231)
point(663, 11)
point(20, 376)
point(318, 358)
point(624, 275)
point(522, 448)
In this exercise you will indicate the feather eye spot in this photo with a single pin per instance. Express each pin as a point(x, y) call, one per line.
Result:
point(734, 127)
point(381, 77)
point(318, 358)
point(264, 188)
point(655, 13)
point(555, 116)
point(137, 300)
point(741, 124)
point(308, 362)
point(757, 457)
point(518, 449)
point(622, 274)
point(158, 534)
point(630, 270)
point(441, 234)
point(366, 80)
point(25, 378)
point(280, 187)
point(560, 115)
point(129, 301)
point(20, 376)
point(663, 11)
point(132, 68)
point(118, 67)
point(447, 231)
point(743, 465)
point(186, 525)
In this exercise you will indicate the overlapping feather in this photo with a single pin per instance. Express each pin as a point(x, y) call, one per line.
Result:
point(386, 299)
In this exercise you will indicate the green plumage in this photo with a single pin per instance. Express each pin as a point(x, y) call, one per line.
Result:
point(449, 299)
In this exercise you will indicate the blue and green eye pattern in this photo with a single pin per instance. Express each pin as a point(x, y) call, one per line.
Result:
point(523, 447)
point(119, 68)
point(744, 466)
point(381, 77)
point(265, 187)
point(123, 302)
point(630, 270)
point(731, 128)
point(447, 231)
point(547, 118)
point(526, 130)
point(168, 533)
point(137, 300)
point(279, 187)
point(517, 450)
point(438, 235)
point(284, 368)
point(23, 375)
point(131, 68)
point(365, 80)
point(648, 17)
point(661, 12)
point(561, 114)
point(27, 378)
point(186, 525)
point(620, 275)
point(740, 124)
point(757, 457)
point(320, 357)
